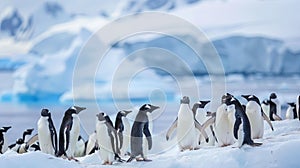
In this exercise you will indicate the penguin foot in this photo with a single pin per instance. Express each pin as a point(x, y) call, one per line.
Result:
point(72, 158)
point(143, 160)
point(256, 144)
point(130, 159)
point(107, 163)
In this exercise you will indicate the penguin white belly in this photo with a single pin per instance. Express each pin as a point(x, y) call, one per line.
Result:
point(126, 137)
point(186, 133)
point(266, 109)
point(5, 145)
point(256, 120)
point(74, 134)
point(224, 126)
point(289, 113)
point(106, 151)
point(79, 150)
point(201, 118)
point(44, 136)
point(91, 143)
point(241, 136)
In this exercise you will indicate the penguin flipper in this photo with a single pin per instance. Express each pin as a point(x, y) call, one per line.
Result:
point(276, 117)
point(171, 129)
point(120, 135)
point(32, 140)
point(201, 129)
point(53, 135)
point(268, 120)
point(236, 127)
point(148, 135)
point(213, 133)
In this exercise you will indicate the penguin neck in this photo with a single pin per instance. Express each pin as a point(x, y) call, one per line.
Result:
point(194, 109)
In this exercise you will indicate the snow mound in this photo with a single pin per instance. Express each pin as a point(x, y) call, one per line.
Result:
point(279, 149)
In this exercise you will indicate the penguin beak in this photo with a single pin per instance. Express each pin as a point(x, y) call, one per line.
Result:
point(154, 108)
point(204, 103)
point(245, 96)
point(79, 109)
point(127, 112)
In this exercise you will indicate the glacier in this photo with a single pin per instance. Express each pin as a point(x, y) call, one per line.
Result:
point(43, 47)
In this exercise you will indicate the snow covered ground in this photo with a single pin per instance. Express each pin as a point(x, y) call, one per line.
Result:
point(280, 149)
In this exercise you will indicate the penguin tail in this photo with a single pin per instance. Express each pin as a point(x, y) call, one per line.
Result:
point(130, 159)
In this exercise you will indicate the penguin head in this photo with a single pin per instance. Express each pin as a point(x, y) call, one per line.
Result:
point(77, 109)
point(226, 97)
point(251, 98)
point(292, 104)
point(202, 104)
point(20, 141)
point(148, 108)
point(45, 113)
point(124, 113)
point(4, 129)
point(185, 100)
point(273, 96)
point(101, 116)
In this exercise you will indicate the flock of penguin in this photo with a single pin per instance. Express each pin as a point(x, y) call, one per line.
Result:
point(231, 123)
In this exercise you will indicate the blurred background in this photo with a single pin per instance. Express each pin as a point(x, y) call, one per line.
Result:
point(258, 42)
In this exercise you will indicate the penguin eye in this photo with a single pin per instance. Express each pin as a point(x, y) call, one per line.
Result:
point(148, 106)
point(232, 99)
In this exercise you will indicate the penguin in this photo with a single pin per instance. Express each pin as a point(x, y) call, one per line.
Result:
point(291, 112)
point(80, 147)
point(91, 144)
point(106, 138)
point(69, 132)
point(265, 106)
point(21, 146)
point(298, 106)
point(3, 143)
point(47, 135)
point(140, 127)
point(275, 107)
point(256, 116)
point(186, 125)
point(240, 119)
point(201, 117)
point(122, 127)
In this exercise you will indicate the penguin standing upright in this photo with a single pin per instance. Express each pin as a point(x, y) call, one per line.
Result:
point(69, 132)
point(186, 125)
point(3, 143)
point(275, 107)
point(140, 127)
point(265, 106)
point(106, 138)
point(241, 122)
point(47, 133)
point(256, 116)
point(291, 112)
point(201, 117)
point(122, 127)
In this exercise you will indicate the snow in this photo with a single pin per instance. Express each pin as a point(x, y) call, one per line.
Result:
point(279, 149)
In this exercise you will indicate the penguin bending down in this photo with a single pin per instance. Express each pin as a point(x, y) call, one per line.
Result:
point(201, 117)
point(47, 133)
point(140, 127)
point(275, 108)
point(122, 127)
point(69, 132)
point(243, 132)
point(186, 124)
point(21, 146)
point(256, 116)
point(106, 138)
point(291, 112)
point(3, 143)
point(91, 144)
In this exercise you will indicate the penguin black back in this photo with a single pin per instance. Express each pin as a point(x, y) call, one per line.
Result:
point(240, 117)
point(64, 131)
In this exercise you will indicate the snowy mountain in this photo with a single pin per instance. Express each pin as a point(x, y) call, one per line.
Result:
point(41, 43)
